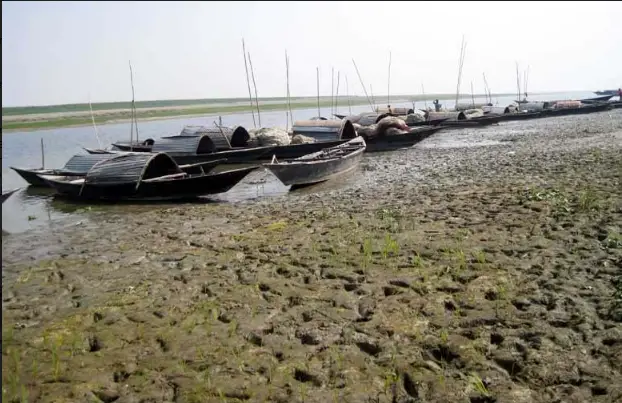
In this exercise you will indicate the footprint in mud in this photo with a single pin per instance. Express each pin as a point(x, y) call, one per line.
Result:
point(304, 376)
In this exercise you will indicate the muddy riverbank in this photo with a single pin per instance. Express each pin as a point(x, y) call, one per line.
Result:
point(478, 266)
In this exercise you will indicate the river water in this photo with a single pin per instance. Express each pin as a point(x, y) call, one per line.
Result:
point(37, 209)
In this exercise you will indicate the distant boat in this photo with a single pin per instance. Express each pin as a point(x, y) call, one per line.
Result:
point(319, 166)
point(602, 98)
point(607, 92)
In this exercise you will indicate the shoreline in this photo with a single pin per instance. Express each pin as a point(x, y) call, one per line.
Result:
point(55, 120)
point(28, 125)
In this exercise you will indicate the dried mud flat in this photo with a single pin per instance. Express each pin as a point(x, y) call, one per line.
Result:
point(480, 266)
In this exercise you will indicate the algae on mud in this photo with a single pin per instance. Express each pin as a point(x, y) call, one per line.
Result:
point(466, 274)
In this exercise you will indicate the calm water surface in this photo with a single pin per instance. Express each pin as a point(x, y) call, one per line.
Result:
point(36, 208)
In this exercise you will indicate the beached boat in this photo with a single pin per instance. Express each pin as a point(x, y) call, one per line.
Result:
point(319, 166)
point(607, 92)
point(144, 176)
point(602, 98)
point(78, 165)
point(399, 141)
point(6, 195)
point(584, 109)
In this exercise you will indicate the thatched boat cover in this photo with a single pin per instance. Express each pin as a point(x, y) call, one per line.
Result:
point(395, 111)
point(131, 168)
point(366, 118)
point(325, 130)
point(460, 107)
point(81, 163)
point(184, 145)
point(222, 137)
point(446, 115)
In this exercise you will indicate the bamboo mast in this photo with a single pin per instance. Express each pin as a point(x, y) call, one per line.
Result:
point(317, 69)
point(460, 64)
point(348, 96)
point(248, 84)
point(363, 85)
point(250, 63)
point(389, 82)
point(337, 92)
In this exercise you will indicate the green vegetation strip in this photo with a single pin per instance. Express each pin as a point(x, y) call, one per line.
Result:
point(66, 121)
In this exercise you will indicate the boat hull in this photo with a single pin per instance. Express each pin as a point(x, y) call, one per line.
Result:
point(139, 148)
point(32, 175)
point(8, 194)
point(305, 173)
point(389, 143)
point(192, 186)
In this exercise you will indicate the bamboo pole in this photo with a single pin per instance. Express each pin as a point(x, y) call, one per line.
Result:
point(373, 100)
point(248, 84)
point(42, 155)
point(332, 91)
point(337, 92)
point(362, 85)
point(389, 83)
point(487, 89)
point(472, 95)
point(348, 96)
point(94, 125)
point(317, 69)
point(289, 95)
point(460, 64)
point(133, 103)
point(250, 64)
point(518, 81)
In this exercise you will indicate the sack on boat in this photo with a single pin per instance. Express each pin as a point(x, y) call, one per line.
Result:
point(391, 126)
point(473, 113)
point(300, 139)
point(269, 136)
point(414, 117)
point(366, 132)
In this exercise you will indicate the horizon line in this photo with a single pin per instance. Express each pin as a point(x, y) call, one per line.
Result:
point(273, 97)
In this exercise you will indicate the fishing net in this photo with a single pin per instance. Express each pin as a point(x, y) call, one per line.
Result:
point(473, 113)
point(269, 136)
point(300, 139)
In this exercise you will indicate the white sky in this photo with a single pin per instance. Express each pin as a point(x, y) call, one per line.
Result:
point(55, 53)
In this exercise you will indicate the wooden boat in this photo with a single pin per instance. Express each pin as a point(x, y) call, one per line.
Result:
point(6, 195)
point(78, 165)
point(585, 109)
point(399, 141)
point(602, 98)
point(519, 116)
point(196, 149)
point(485, 120)
point(143, 146)
point(200, 149)
point(607, 92)
point(319, 166)
point(144, 176)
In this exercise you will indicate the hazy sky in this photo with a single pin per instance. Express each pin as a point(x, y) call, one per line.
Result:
point(61, 52)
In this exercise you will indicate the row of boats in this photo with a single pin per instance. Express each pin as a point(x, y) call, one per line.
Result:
point(157, 175)
point(183, 165)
